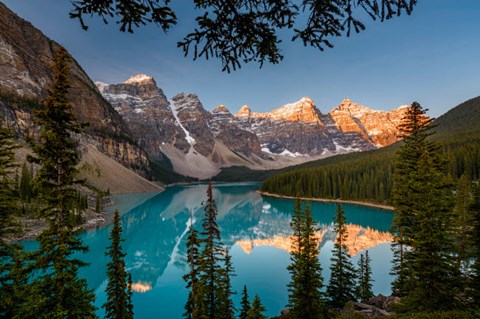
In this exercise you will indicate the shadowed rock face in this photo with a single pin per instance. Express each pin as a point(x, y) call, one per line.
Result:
point(297, 132)
point(146, 110)
point(26, 58)
point(182, 122)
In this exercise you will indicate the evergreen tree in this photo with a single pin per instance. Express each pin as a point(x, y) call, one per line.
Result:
point(257, 309)
point(13, 277)
point(423, 226)
point(305, 296)
point(415, 129)
point(191, 278)
point(475, 280)
point(119, 303)
point(25, 184)
point(226, 309)
point(211, 257)
point(245, 304)
point(57, 290)
point(435, 275)
point(464, 221)
point(364, 287)
point(341, 287)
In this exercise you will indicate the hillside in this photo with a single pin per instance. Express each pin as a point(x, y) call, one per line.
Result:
point(367, 176)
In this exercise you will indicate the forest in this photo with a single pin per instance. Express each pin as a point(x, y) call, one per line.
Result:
point(367, 176)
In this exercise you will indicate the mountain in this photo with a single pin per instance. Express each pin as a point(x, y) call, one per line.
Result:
point(367, 176)
point(199, 143)
point(26, 56)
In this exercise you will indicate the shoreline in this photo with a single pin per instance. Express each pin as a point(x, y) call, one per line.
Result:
point(324, 200)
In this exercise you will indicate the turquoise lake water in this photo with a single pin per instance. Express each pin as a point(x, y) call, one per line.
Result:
point(255, 228)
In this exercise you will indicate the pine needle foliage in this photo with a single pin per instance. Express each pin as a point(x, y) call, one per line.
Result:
point(245, 304)
point(119, 295)
point(226, 309)
point(415, 129)
point(191, 278)
point(212, 255)
point(210, 269)
point(364, 278)
point(257, 309)
point(475, 280)
point(305, 288)
point(13, 278)
point(57, 292)
point(424, 251)
point(341, 287)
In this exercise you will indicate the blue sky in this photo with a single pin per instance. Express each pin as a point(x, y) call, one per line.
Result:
point(432, 56)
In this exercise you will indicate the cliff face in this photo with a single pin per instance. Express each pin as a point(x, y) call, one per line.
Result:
point(379, 127)
point(196, 141)
point(199, 143)
point(25, 65)
point(300, 129)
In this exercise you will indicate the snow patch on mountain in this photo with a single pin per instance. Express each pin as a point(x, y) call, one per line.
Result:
point(188, 137)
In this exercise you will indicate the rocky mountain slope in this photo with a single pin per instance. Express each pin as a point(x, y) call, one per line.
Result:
point(25, 68)
point(199, 143)
point(135, 124)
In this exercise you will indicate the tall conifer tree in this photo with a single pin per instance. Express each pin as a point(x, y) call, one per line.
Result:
point(13, 277)
point(191, 278)
point(211, 257)
point(119, 302)
point(226, 309)
point(435, 275)
point(245, 304)
point(305, 295)
point(364, 287)
point(424, 252)
point(58, 292)
point(341, 287)
point(415, 129)
point(464, 222)
point(257, 309)
point(475, 280)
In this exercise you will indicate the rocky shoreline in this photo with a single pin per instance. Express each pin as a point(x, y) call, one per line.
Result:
point(324, 200)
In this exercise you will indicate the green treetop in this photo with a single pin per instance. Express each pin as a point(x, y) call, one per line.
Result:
point(364, 287)
point(57, 291)
point(257, 310)
point(245, 304)
point(119, 304)
point(341, 287)
point(305, 295)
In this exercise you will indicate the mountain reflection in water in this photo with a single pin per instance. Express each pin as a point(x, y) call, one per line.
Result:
point(256, 229)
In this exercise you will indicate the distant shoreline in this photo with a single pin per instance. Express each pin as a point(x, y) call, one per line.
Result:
point(324, 200)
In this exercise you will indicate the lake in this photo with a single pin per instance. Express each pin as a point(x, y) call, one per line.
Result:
point(255, 228)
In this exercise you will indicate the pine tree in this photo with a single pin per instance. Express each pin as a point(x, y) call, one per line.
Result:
point(226, 309)
point(57, 290)
point(464, 221)
point(191, 278)
point(257, 310)
point(119, 303)
point(475, 280)
point(245, 304)
point(341, 287)
point(415, 129)
point(305, 296)
point(211, 256)
point(364, 287)
point(13, 276)
point(423, 226)
point(432, 249)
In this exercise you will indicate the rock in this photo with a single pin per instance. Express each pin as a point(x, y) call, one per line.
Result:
point(26, 57)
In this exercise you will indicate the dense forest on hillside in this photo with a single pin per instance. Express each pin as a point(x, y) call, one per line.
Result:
point(368, 176)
